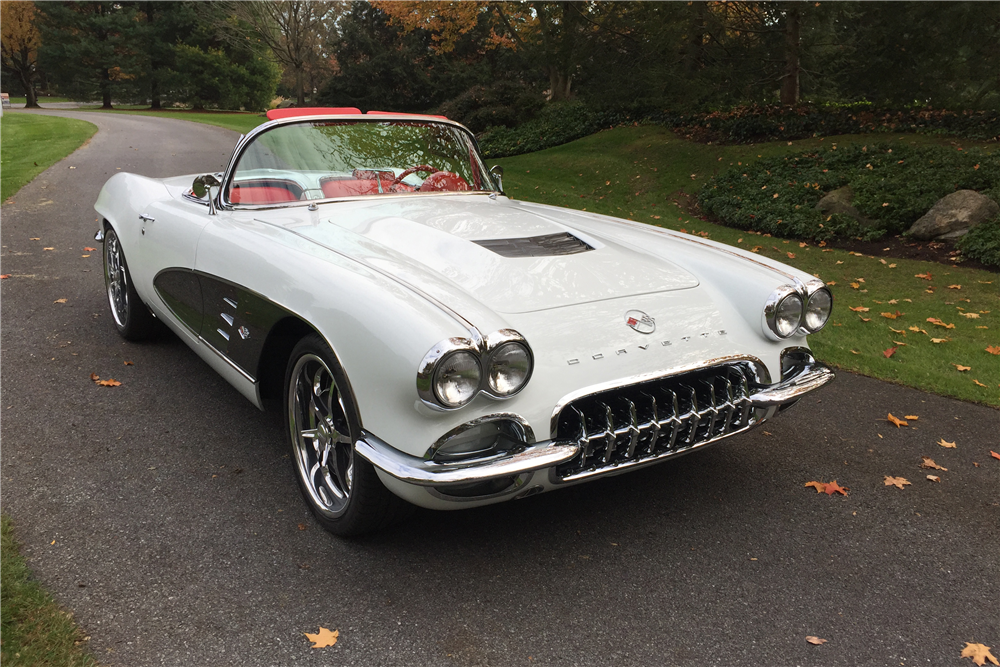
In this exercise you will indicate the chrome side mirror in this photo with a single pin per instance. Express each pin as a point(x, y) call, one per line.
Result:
point(202, 186)
point(496, 171)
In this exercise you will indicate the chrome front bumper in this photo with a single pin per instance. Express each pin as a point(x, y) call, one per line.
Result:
point(803, 379)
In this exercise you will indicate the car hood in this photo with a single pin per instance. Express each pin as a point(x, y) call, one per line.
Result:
point(429, 239)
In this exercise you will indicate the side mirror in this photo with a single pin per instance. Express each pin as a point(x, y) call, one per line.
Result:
point(496, 171)
point(202, 186)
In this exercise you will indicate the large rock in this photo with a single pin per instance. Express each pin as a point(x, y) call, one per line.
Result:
point(954, 215)
point(841, 201)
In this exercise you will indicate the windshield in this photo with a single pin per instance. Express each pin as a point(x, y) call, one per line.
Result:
point(328, 159)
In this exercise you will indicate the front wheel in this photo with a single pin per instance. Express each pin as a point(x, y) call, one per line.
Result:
point(341, 488)
point(133, 319)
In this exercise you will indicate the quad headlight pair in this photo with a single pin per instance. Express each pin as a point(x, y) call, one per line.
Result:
point(804, 309)
point(456, 370)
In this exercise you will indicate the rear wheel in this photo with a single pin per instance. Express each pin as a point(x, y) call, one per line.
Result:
point(341, 488)
point(133, 319)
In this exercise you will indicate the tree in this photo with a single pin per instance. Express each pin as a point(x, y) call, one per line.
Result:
point(294, 30)
point(91, 48)
point(19, 40)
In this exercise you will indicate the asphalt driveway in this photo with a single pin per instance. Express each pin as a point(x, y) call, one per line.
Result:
point(165, 514)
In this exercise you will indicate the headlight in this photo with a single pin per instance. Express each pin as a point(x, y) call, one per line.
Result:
point(783, 312)
point(457, 378)
point(510, 366)
point(817, 310)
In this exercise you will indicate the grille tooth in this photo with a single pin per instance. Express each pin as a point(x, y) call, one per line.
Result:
point(657, 419)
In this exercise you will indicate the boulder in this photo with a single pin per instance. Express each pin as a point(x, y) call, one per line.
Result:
point(841, 201)
point(954, 215)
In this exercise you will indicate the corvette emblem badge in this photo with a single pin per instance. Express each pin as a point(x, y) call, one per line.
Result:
point(640, 321)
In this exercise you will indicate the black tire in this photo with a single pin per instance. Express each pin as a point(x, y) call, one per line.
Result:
point(341, 488)
point(132, 318)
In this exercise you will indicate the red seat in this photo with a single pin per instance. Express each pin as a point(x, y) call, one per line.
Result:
point(260, 194)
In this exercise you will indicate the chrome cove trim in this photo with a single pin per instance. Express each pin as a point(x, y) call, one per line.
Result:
point(484, 349)
point(810, 376)
point(761, 376)
point(428, 473)
point(524, 431)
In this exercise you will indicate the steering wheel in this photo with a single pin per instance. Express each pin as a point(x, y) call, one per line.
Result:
point(409, 170)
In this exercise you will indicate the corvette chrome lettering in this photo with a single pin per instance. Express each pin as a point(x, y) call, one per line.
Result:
point(645, 346)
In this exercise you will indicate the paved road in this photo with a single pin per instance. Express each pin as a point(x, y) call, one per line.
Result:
point(165, 514)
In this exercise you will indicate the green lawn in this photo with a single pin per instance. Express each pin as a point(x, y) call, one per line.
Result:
point(646, 173)
point(33, 143)
point(36, 632)
point(237, 121)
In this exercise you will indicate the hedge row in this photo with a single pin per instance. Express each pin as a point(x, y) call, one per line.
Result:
point(893, 187)
point(557, 124)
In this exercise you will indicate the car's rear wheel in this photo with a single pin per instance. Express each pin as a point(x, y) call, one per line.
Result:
point(341, 488)
point(132, 318)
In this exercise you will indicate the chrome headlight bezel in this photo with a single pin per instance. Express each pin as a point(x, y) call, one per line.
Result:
point(812, 290)
point(771, 307)
point(485, 350)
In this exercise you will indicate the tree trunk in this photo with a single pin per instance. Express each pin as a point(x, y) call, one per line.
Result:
point(106, 89)
point(300, 87)
point(559, 83)
point(790, 80)
point(30, 97)
point(695, 56)
point(154, 95)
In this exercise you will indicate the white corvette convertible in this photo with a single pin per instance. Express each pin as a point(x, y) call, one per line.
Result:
point(430, 340)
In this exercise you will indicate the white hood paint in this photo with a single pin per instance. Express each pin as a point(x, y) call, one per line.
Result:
point(437, 235)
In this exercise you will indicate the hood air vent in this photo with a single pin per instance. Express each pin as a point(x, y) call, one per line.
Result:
point(548, 245)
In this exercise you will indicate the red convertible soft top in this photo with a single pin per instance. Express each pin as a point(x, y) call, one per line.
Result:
point(292, 112)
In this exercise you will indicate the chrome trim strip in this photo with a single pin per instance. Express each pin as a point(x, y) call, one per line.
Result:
point(228, 318)
point(810, 377)
point(427, 473)
point(762, 377)
point(222, 333)
point(230, 302)
point(227, 359)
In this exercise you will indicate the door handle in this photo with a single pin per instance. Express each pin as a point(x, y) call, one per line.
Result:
point(146, 218)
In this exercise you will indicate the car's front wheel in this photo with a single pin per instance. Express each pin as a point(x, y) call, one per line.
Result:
point(341, 488)
point(133, 319)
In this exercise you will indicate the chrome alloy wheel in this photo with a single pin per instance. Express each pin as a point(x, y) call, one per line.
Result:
point(116, 279)
point(321, 439)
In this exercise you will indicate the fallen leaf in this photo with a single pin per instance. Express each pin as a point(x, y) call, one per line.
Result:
point(865, 319)
point(815, 640)
point(898, 482)
point(892, 316)
point(954, 287)
point(934, 478)
point(940, 340)
point(323, 638)
point(48, 248)
point(84, 255)
point(110, 382)
point(860, 309)
point(791, 255)
point(962, 369)
point(935, 321)
point(945, 443)
point(89, 249)
point(35, 238)
point(979, 383)
point(994, 454)
point(833, 487)
point(302, 526)
point(94, 377)
point(917, 329)
point(895, 420)
point(925, 276)
point(993, 349)
point(929, 464)
point(971, 316)
point(888, 353)
point(899, 331)
point(819, 486)
point(4, 276)
point(59, 301)
point(912, 417)
point(129, 363)
point(856, 285)
point(979, 654)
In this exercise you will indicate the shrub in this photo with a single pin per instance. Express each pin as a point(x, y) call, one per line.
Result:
point(892, 187)
point(753, 124)
point(982, 243)
point(502, 104)
point(555, 124)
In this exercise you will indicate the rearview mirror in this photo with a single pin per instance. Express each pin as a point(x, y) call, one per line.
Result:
point(496, 171)
point(202, 186)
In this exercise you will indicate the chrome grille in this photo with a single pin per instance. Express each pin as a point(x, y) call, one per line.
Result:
point(653, 420)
